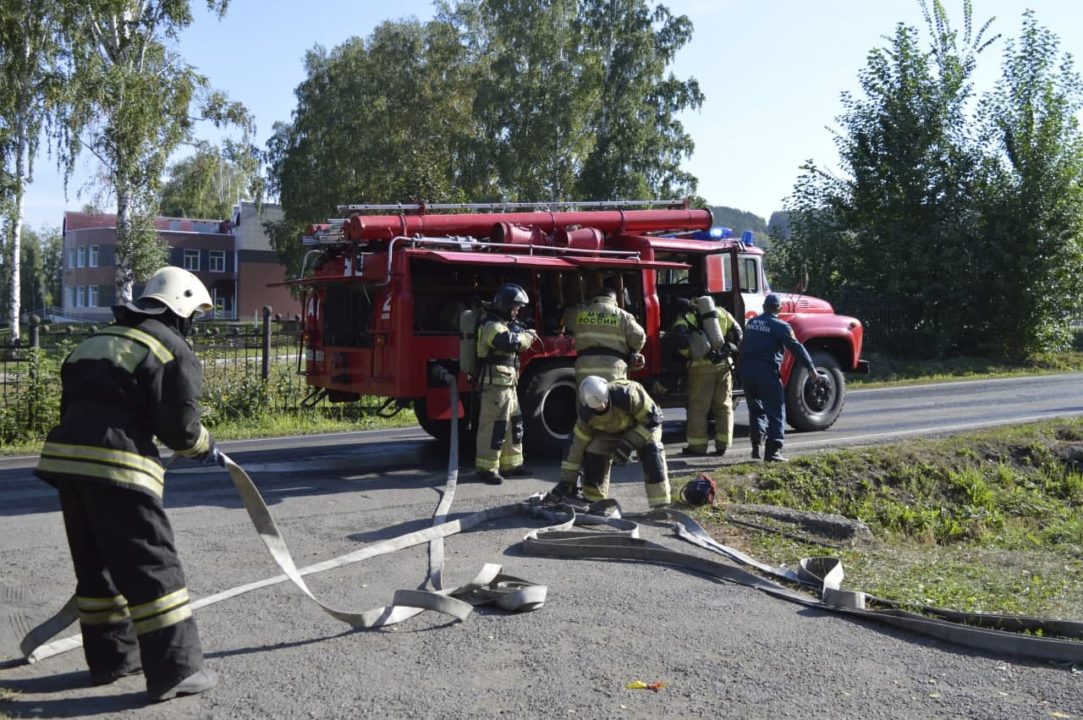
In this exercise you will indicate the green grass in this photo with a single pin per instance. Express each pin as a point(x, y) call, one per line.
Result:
point(989, 521)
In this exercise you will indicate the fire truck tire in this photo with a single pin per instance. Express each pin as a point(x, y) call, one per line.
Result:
point(811, 408)
point(548, 400)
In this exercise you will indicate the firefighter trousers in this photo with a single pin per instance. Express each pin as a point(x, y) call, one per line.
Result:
point(130, 588)
point(766, 404)
point(598, 461)
point(710, 390)
point(500, 430)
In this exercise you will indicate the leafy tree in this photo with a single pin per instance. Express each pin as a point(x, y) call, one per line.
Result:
point(204, 185)
point(30, 53)
point(899, 224)
point(534, 97)
point(1032, 195)
point(130, 103)
point(387, 119)
point(639, 143)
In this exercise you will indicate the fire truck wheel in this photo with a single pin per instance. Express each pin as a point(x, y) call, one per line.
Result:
point(815, 407)
point(548, 401)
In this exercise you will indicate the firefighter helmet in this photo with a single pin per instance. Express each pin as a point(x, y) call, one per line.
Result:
point(177, 289)
point(507, 297)
point(772, 303)
point(594, 393)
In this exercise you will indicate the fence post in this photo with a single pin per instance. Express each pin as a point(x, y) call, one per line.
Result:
point(35, 325)
point(266, 341)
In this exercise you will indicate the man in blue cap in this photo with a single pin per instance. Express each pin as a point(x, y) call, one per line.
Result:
point(766, 339)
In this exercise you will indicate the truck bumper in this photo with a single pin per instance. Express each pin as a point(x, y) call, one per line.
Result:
point(862, 367)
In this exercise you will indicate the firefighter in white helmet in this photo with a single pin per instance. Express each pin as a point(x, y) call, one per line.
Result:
point(608, 338)
point(614, 419)
point(708, 337)
point(500, 339)
point(124, 386)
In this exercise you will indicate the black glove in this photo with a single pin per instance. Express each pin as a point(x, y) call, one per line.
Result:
point(623, 452)
point(715, 356)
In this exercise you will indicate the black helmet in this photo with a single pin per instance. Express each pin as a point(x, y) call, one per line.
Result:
point(507, 297)
point(772, 303)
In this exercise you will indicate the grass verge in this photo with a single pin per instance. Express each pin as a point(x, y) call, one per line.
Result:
point(985, 522)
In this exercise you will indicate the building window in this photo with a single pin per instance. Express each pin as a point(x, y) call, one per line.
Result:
point(92, 296)
point(69, 296)
point(92, 257)
point(217, 262)
point(80, 296)
point(71, 258)
point(191, 260)
point(82, 256)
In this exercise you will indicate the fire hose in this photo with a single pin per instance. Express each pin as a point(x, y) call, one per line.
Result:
point(576, 535)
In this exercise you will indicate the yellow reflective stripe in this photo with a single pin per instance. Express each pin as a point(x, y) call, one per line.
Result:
point(582, 433)
point(696, 441)
point(113, 456)
point(104, 472)
point(165, 611)
point(102, 611)
point(122, 352)
point(202, 444)
point(93, 604)
point(569, 465)
point(481, 463)
point(164, 620)
point(165, 602)
point(152, 343)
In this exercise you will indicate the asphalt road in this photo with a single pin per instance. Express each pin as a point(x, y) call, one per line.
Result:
point(722, 650)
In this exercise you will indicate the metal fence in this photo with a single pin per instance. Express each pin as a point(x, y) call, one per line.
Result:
point(247, 368)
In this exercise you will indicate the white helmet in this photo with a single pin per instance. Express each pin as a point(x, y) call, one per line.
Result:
point(179, 290)
point(594, 392)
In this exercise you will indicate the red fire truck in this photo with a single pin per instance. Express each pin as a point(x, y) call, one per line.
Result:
point(384, 294)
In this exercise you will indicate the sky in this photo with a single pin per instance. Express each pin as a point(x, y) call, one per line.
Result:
point(772, 72)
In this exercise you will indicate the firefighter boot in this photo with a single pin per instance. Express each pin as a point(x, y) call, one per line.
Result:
point(720, 450)
point(774, 452)
point(490, 477)
point(518, 471)
point(197, 682)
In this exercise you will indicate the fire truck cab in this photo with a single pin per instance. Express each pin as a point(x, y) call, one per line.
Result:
point(384, 294)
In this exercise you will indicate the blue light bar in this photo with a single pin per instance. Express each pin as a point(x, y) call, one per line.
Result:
point(746, 238)
point(715, 233)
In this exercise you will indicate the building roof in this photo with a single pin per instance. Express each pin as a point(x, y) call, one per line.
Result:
point(85, 221)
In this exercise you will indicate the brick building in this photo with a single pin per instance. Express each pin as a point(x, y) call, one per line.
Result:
point(232, 257)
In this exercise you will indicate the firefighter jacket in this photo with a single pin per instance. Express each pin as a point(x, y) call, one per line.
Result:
point(688, 322)
point(499, 346)
point(766, 340)
point(123, 386)
point(632, 415)
point(605, 337)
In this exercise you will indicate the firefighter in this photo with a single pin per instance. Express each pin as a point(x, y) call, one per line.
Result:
point(128, 383)
point(614, 418)
point(500, 339)
point(710, 372)
point(766, 339)
point(607, 339)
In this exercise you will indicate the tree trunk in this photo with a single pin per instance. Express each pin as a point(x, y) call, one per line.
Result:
point(124, 277)
point(17, 229)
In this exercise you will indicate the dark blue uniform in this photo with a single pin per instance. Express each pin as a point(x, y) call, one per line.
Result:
point(765, 341)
